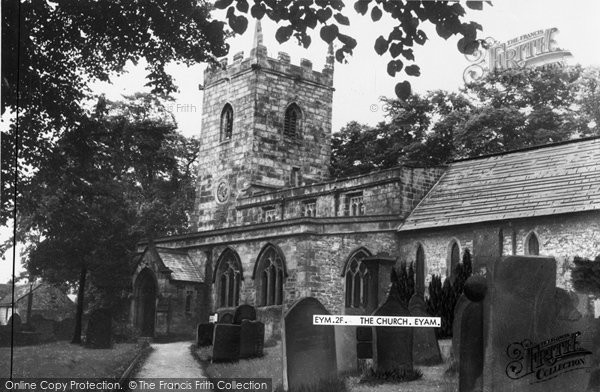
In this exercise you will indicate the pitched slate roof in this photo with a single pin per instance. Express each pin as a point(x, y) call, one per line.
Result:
point(181, 265)
point(547, 180)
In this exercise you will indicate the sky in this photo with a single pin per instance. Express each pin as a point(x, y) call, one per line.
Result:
point(361, 82)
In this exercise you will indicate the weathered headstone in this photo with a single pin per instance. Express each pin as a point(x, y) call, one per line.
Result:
point(309, 355)
point(99, 329)
point(204, 334)
point(392, 346)
point(244, 312)
point(527, 347)
point(470, 333)
point(226, 343)
point(459, 308)
point(426, 350)
point(252, 339)
point(226, 318)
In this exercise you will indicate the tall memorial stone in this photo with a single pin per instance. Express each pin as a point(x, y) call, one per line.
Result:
point(252, 338)
point(204, 334)
point(470, 333)
point(309, 355)
point(226, 343)
point(528, 348)
point(99, 329)
point(393, 345)
point(426, 350)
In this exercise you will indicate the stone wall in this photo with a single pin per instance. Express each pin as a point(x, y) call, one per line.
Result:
point(561, 236)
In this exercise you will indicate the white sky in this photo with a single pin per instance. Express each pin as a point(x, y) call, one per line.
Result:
point(361, 82)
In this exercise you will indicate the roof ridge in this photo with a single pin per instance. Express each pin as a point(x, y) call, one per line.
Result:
point(530, 148)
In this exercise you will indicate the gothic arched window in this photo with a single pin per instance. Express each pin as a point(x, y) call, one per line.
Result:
point(454, 258)
point(420, 270)
point(357, 280)
point(292, 120)
point(269, 276)
point(533, 245)
point(226, 122)
point(228, 279)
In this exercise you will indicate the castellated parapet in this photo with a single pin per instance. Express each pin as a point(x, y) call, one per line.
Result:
point(257, 155)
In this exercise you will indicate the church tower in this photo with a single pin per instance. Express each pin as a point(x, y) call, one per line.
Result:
point(266, 125)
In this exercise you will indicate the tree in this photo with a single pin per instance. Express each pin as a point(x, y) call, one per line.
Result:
point(505, 111)
point(586, 275)
point(51, 51)
point(298, 17)
point(122, 175)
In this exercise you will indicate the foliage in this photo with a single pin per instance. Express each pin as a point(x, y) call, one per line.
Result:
point(299, 17)
point(403, 283)
point(443, 298)
point(505, 111)
point(586, 275)
point(52, 51)
point(122, 175)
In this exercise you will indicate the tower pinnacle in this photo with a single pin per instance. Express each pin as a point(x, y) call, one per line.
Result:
point(258, 48)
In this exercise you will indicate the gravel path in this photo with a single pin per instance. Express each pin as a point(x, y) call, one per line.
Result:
point(170, 360)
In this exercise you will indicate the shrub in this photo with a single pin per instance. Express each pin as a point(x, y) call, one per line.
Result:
point(405, 282)
point(586, 275)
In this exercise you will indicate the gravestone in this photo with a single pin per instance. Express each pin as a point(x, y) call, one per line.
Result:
point(345, 348)
point(459, 308)
point(470, 333)
point(309, 355)
point(426, 350)
point(252, 339)
point(226, 318)
point(392, 346)
point(226, 343)
point(364, 342)
point(98, 333)
point(528, 348)
point(204, 334)
point(244, 312)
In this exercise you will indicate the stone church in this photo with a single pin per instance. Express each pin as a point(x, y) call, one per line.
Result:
point(271, 226)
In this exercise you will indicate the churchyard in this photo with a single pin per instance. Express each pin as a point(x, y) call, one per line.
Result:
point(508, 335)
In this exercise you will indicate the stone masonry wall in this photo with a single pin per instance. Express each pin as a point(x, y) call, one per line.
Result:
point(560, 236)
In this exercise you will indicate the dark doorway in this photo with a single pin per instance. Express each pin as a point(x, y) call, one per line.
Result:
point(145, 295)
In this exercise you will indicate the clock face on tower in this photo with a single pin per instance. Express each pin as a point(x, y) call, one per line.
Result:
point(222, 191)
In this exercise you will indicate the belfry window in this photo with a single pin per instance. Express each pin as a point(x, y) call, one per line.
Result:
point(226, 122)
point(188, 301)
point(533, 245)
point(228, 279)
point(357, 281)
point(291, 122)
point(354, 205)
point(270, 275)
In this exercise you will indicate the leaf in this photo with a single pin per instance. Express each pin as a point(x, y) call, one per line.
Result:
point(467, 46)
point(283, 34)
point(258, 11)
point(376, 14)
point(238, 24)
point(306, 40)
point(394, 66)
point(442, 31)
point(329, 33)
point(324, 14)
point(421, 37)
point(347, 40)
point(408, 54)
point(361, 6)
point(413, 70)
point(222, 4)
point(341, 19)
point(403, 90)
point(396, 49)
point(475, 5)
point(381, 45)
point(242, 6)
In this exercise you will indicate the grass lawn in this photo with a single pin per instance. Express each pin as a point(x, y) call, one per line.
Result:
point(62, 359)
point(269, 366)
